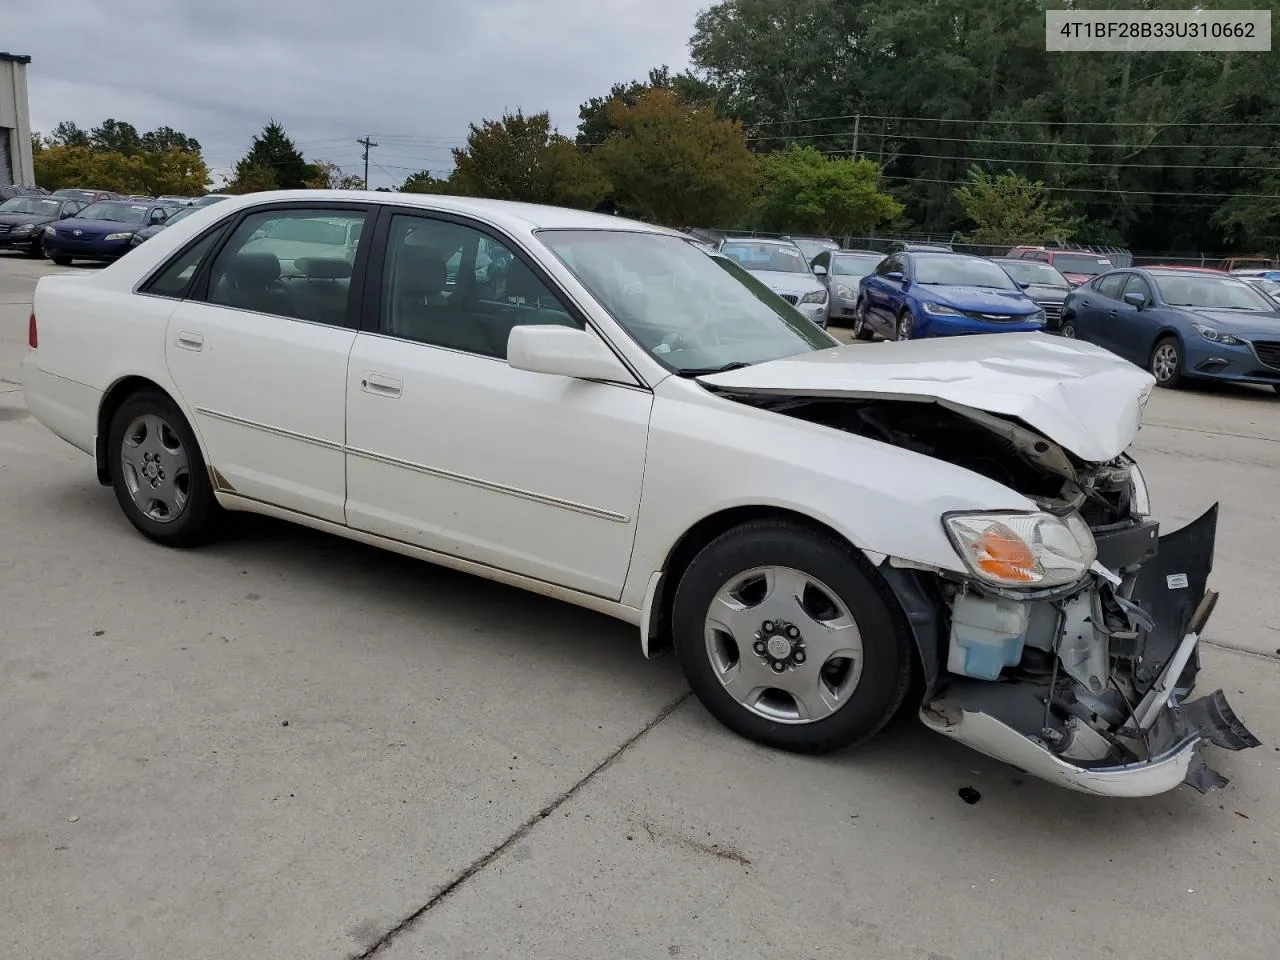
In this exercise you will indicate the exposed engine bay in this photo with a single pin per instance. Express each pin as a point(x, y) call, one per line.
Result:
point(1082, 682)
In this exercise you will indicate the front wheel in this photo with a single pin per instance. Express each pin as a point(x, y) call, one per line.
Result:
point(36, 250)
point(788, 641)
point(905, 328)
point(861, 329)
point(158, 472)
point(1068, 329)
point(61, 261)
point(1166, 362)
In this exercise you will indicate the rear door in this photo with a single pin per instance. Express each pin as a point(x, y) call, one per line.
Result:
point(259, 355)
point(1098, 319)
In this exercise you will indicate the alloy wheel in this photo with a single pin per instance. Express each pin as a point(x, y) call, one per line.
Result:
point(156, 468)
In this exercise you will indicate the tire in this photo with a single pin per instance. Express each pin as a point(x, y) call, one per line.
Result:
point(61, 261)
point(719, 646)
point(1068, 328)
point(905, 326)
point(160, 440)
point(1166, 363)
point(861, 329)
point(36, 251)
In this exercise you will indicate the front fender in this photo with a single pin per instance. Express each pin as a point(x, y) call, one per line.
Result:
point(708, 454)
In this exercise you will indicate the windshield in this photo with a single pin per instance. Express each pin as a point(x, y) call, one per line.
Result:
point(773, 257)
point(1218, 293)
point(118, 211)
point(184, 212)
point(954, 270)
point(1269, 287)
point(1040, 274)
point(811, 248)
point(692, 311)
point(49, 208)
point(854, 265)
point(1081, 263)
point(74, 194)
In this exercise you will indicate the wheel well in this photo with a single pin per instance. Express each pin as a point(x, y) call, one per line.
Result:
point(118, 393)
point(1168, 333)
point(708, 529)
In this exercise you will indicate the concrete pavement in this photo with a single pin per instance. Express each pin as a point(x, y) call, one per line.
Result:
point(287, 746)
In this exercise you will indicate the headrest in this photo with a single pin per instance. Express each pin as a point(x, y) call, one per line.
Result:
point(420, 269)
point(254, 268)
point(323, 268)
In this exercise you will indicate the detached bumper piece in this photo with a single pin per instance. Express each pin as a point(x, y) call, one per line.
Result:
point(1137, 736)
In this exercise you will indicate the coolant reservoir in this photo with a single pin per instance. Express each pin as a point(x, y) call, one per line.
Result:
point(987, 635)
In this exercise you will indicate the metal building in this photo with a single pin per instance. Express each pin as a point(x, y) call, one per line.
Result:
point(15, 121)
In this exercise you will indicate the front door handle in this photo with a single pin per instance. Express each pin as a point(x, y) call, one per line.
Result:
point(189, 341)
point(380, 385)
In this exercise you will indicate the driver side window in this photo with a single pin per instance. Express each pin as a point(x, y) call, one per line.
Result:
point(1111, 286)
point(450, 285)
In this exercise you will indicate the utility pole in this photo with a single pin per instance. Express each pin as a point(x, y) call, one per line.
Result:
point(368, 144)
point(857, 120)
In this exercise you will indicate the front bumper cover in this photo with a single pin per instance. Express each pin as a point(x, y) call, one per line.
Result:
point(1175, 603)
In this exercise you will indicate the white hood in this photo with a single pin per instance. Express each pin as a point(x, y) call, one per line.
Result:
point(796, 284)
point(1078, 395)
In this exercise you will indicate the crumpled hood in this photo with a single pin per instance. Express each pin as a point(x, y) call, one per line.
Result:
point(979, 299)
point(796, 284)
point(1078, 395)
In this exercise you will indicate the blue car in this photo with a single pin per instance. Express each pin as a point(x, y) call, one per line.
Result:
point(102, 231)
point(1180, 324)
point(913, 294)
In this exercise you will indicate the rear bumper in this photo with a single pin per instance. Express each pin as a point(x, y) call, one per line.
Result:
point(67, 408)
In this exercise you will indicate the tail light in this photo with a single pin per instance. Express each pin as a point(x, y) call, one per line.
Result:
point(32, 339)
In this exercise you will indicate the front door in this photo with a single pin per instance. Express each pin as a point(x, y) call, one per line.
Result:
point(451, 449)
point(260, 356)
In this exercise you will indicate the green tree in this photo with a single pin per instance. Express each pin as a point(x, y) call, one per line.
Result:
point(594, 126)
point(523, 158)
point(116, 136)
point(251, 179)
point(1009, 208)
point(273, 150)
point(170, 172)
point(678, 164)
point(804, 191)
point(329, 176)
point(424, 181)
point(164, 139)
point(67, 134)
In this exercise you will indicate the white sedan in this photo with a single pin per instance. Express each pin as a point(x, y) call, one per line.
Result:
point(602, 412)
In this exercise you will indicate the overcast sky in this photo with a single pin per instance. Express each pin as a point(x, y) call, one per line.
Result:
point(413, 73)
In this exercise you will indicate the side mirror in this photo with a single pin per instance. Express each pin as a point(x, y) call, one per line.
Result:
point(819, 270)
point(1024, 286)
point(564, 352)
point(1135, 300)
point(897, 276)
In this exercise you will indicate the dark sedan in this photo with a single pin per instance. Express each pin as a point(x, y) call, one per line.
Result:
point(1180, 324)
point(1042, 283)
point(146, 233)
point(102, 231)
point(23, 219)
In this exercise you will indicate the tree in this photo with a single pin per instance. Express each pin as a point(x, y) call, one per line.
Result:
point(172, 172)
point(273, 150)
point(329, 176)
point(251, 179)
point(594, 125)
point(1009, 208)
point(115, 136)
point(523, 158)
point(678, 164)
point(424, 181)
point(164, 139)
point(67, 134)
point(807, 192)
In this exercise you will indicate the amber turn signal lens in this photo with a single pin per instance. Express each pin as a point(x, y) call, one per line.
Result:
point(1001, 553)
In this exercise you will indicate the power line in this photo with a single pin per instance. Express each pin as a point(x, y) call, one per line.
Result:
point(1041, 123)
point(1137, 193)
point(1022, 143)
point(1076, 163)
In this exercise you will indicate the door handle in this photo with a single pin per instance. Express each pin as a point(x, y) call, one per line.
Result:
point(189, 341)
point(380, 385)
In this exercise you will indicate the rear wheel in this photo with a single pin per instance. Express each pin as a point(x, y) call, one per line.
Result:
point(1166, 362)
point(788, 641)
point(158, 472)
point(61, 261)
point(905, 328)
point(1068, 328)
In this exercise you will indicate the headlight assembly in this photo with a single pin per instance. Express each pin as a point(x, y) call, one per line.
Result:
point(817, 296)
point(1139, 495)
point(941, 310)
point(1216, 335)
point(843, 292)
point(1023, 549)
point(119, 236)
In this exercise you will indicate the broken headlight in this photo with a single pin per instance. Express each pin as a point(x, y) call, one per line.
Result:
point(1139, 495)
point(1023, 549)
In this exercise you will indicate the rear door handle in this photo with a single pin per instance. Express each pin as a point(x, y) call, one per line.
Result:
point(380, 385)
point(189, 341)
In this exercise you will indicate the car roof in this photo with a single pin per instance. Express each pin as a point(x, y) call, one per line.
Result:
point(1168, 268)
point(859, 253)
point(775, 240)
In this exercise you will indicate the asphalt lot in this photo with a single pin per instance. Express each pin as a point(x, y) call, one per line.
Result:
point(287, 746)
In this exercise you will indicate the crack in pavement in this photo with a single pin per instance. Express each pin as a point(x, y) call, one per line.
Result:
point(1210, 433)
point(1274, 657)
point(521, 831)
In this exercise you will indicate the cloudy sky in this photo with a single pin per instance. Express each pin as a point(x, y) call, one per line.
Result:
point(412, 74)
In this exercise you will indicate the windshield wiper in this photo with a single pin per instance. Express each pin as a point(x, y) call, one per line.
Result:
point(707, 371)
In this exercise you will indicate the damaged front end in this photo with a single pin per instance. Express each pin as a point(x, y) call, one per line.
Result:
point(1071, 648)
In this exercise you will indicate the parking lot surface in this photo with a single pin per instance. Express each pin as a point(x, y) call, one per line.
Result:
point(288, 746)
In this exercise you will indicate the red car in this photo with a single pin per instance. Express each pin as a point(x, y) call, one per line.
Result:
point(1076, 265)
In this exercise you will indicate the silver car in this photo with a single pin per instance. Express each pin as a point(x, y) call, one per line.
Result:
point(783, 269)
point(840, 271)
